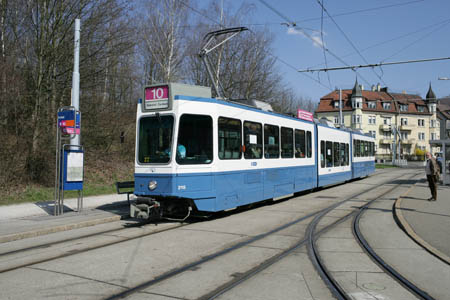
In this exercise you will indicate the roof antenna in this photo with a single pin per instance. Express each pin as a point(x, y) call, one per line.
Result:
point(205, 50)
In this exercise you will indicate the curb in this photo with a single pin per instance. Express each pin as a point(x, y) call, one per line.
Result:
point(411, 233)
point(44, 231)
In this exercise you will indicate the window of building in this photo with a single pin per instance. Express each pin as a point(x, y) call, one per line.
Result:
point(434, 136)
point(373, 133)
point(357, 103)
point(372, 120)
point(356, 119)
point(432, 123)
point(230, 140)
point(336, 104)
point(387, 105)
point(336, 119)
point(371, 104)
point(387, 121)
point(403, 107)
point(421, 122)
point(421, 136)
point(287, 142)
point(404, 135)
point(271, 141)
point(432, 108)
point(195, 134)
point(300, 144)
point(421, 108)
point(387, 134)
point(252, 140)
point(404, 121)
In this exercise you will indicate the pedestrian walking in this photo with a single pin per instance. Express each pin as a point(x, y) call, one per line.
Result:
point(432, 171)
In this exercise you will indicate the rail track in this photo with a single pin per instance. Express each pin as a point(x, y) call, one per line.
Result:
point(71, 246)
point(240, 278)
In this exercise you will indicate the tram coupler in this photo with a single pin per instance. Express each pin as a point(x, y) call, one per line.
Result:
point(146, 208)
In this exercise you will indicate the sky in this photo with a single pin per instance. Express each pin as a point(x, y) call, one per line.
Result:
point(359, 32)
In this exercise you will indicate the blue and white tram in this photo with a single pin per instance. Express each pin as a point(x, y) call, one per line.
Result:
point(363, 155)
point(209, 155)
point(334, 146)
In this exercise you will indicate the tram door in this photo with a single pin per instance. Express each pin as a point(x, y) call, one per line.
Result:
point(194, 154)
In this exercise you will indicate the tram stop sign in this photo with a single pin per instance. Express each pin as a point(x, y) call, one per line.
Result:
point(69, 121)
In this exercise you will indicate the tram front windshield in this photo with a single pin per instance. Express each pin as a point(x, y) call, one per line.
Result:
point(155, 139)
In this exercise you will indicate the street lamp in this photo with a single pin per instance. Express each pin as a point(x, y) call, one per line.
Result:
point(443, 78)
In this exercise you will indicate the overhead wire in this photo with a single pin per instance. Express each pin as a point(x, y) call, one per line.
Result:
point(418, 40)
point(311, 38)
point(323, 42)
point(390, 40)
point(348, 39)
point(364, 10)
point(270, 53)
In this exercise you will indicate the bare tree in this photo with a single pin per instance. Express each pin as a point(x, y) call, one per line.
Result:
point(36, 52)
point(163, 39)
point(243, 65)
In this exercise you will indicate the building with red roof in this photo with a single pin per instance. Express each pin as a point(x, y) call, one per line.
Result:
point(397, 120)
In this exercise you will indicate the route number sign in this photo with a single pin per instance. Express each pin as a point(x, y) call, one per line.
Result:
point(157, 97)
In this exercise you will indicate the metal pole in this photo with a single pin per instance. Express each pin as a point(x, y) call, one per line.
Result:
point(76, 77)
point(340, 108)
point(57, 169)
point(211, 76)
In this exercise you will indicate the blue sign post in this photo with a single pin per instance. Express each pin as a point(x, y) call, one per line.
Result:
point(69, 158)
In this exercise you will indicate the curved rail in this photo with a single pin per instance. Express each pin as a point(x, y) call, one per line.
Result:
point(314, 255)
point(388, 269)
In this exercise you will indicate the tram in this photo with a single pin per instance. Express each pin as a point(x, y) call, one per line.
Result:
point(201, 154)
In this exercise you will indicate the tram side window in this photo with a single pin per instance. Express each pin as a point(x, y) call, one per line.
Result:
point(287, 142)
point(372, 149)
point(347, 154)
point(271, 141)
point(195, 140)
point(252, 140)
point(300, 144)
point(357, 148)
point(329, 154)
point(322, 154)
point(336, 154)
point(362, 149)
point(229, 138)
point(342, 154)
point(308, 144)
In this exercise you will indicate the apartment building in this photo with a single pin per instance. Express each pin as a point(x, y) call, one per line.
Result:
point(382, 114)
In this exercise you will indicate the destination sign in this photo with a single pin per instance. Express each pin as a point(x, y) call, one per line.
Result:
point(156, 97)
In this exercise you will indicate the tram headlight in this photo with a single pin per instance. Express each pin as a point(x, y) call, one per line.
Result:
point(152, 185)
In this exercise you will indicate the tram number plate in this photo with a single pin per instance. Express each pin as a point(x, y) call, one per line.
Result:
point(157, 97)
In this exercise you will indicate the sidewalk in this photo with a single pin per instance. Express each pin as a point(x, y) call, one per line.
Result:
point(34, 219)
point(428, 223)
